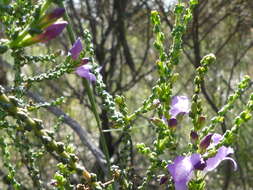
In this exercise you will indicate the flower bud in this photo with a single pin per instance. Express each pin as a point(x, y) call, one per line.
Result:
point(76, 49)
point(202, 120)
point(205, 142)
point(86, 175)
point(51, 17)
point(119, 99)
point(155, 103)
point(48, 34)
point(208, 59)
point(157, 121)
point(52, 31)
point(172, 122)
point(194, 136)
point(163, 179)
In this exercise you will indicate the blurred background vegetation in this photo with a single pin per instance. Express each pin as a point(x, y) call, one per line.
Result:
point(123, 42)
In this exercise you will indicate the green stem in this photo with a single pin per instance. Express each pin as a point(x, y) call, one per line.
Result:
point(69, 27)
point(93, 106)
point(90, 93)
point(45, 6)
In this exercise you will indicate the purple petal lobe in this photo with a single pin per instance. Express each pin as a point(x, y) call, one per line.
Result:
point(222, 154)
point(182, 170)
point(76, 49)
point(84, 71)
point(216, 138)
point(179, 105)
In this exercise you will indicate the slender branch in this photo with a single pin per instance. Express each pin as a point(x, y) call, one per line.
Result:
point(83, 134)
point(90, 94)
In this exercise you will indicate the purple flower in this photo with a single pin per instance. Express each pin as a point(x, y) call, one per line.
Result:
point(183, 167)
point(179, 105)
point(182, 170)
point(222, 154)
point(76, 49)
point(84, 71)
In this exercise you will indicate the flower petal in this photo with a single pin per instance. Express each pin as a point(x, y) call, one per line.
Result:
point(53, 31)
point(182, 185)
point(84, 71)
point(76, 49)
point(179, 105)
point(216, 138)
point(222, 154)
point(182, 170)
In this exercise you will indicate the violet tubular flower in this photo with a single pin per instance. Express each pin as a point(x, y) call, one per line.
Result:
point(183, 167)
point(85, 69)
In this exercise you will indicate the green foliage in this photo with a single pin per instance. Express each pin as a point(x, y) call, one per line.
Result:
point(25, 134)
